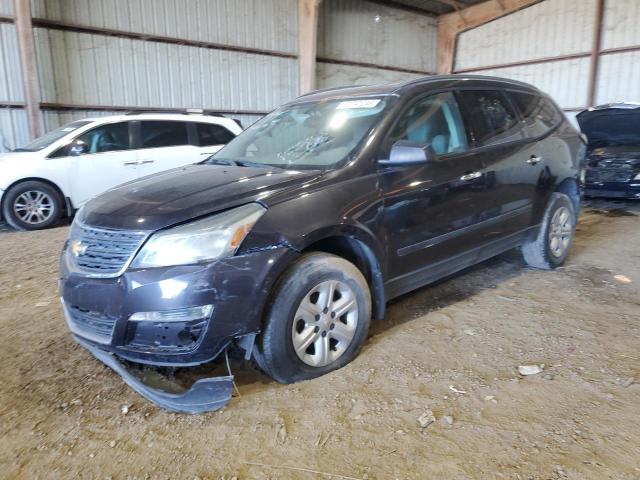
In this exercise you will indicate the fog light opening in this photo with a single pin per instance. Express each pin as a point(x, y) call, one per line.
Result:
point(177, 315)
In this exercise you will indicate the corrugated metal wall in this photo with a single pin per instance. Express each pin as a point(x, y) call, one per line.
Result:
point(225, 55)
point(558, 28)
point(6, 7)
point(356, 38)
point(88, 69)
point(619, 73)
point(264, 24)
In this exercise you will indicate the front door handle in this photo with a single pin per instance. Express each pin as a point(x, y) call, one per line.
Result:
point(470, 176)
point(534, 160)
point(131, 164)
point(143, 162)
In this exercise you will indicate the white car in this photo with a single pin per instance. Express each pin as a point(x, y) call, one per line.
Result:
point(58, 172)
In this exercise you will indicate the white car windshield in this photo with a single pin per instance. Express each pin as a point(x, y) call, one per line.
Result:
point(53, 136)
point(314, 135)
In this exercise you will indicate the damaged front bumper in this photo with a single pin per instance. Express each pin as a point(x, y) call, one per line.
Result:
point(147, 317)
point(205, 395)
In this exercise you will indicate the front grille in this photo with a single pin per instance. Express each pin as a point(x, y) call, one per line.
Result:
point(102, 252)
point(94, 325)
point(603, 175)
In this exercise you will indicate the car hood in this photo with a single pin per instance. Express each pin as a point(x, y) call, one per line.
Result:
point(608, 126)
point(182, 194)
point(17, 156)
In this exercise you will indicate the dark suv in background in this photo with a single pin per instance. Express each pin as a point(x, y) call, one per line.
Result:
point(292, 237)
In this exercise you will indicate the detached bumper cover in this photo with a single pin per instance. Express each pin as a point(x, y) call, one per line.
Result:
point(205, 395)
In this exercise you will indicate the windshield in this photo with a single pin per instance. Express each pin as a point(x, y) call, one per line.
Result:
point(309, 136)
point(53, 136)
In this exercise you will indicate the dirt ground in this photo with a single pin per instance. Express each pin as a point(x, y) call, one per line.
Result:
point(452, 349)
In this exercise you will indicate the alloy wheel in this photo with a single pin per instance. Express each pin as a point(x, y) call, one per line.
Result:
point(325, 323)
point(33, 207)
point(560, 231)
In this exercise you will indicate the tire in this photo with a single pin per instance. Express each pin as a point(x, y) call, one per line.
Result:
point(551, 247)
point(294, 320)
point(32, 205)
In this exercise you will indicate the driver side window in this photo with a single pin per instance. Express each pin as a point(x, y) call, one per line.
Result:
point(106, 138)
point(434, 120)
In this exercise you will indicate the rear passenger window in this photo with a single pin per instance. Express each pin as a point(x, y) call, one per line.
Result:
point(212, 134)
point(159, 133)
point(491, 117)
point(538, 113)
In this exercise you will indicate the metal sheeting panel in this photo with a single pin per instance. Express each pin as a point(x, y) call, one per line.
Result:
point(6, 7)
point(332, 75)
point(547, 29)
point(621, 23)
point(78, 68)
point(619, 78)
point(265, 24)
point(10, 72)
point(13, 129)
point(361, 31)
point(564, 80)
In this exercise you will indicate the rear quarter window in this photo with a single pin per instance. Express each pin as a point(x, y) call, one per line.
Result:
point(212, 134)
point(539, 115)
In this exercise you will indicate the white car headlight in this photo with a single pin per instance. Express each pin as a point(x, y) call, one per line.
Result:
point(637, 177)
point(213, 237)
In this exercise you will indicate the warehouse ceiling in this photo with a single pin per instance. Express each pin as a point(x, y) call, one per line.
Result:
point(432, 7)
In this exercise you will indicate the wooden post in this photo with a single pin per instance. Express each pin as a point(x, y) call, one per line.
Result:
point(307, 43)
point(595, 54)
point(446, 48)
point(30, 81)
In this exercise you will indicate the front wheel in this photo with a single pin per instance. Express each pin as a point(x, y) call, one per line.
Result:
point(32, 205)
point(551, 247)
point(317, 321)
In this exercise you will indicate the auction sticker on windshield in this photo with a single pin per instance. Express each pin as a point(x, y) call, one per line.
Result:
point(358, 104)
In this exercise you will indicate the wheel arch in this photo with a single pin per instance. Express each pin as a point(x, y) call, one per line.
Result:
point(66, 202)
point(569, 186)
point(362, 255)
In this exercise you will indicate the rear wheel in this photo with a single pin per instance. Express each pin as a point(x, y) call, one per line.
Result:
point(551, 247)
point(317, 321)
point(32, 205)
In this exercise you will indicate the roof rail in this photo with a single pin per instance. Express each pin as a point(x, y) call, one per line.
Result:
point(329, 89)
point(189, 111)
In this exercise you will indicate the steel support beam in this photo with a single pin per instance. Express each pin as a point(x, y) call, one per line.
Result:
point(29, 66)
point(307, 43)
point(452, 24)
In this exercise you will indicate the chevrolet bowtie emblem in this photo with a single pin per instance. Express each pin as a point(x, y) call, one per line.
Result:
point(77, 248)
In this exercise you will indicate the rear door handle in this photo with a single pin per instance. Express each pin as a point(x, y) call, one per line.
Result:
point(130, 164)
point(470, 176)
point(143, 162)
point(534, 160)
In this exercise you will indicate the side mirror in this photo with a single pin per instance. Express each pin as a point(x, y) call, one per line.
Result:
point(407, 152)
point(77, 148)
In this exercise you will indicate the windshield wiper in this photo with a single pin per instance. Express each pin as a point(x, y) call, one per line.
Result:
point(236, 163)
point(22, 150)
point(247, 163)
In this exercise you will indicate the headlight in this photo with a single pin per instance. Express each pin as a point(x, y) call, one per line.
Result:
point(637, 177)
point(216, 236)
